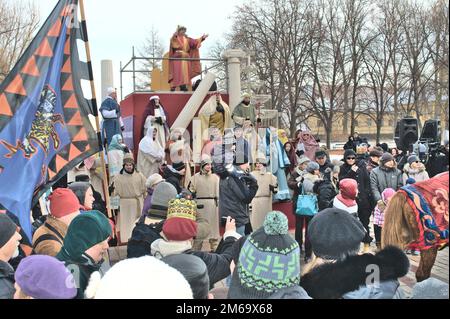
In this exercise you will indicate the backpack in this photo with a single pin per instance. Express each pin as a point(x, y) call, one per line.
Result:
point(142, 237)
point(306, 204)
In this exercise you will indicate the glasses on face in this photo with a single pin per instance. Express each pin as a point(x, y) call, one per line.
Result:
point(417, 162)
point(351, 158)
point(320, 158)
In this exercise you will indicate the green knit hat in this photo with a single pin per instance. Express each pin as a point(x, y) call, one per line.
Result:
point(85, 231)
point(269, 261)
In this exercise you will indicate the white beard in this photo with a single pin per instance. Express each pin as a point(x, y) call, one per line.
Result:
point(16, 253)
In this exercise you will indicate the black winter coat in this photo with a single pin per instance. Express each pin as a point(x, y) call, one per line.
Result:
point(325, 193)
point(7, 289)
point(326, 169)
point(173, 178)
point(218, 264)
point(235, 194)
point(362, 177)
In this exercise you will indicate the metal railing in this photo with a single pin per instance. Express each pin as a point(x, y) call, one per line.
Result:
point(130, 67)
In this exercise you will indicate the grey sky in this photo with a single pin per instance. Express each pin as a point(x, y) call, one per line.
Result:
point(114, 26)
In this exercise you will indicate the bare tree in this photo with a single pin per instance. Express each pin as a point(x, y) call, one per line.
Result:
point(152, 48)
point(440, 37)
point(18, 23)
point(325, 44)
point(417, 33)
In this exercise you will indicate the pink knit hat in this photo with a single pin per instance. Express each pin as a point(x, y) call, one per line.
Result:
point(387, 194)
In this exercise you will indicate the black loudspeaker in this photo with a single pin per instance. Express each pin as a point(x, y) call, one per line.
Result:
point(406, 133)
point(431, 132)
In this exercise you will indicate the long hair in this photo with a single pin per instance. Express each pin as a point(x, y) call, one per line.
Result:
point(400, 225)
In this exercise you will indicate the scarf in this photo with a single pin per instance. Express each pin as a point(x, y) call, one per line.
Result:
point(151, 147)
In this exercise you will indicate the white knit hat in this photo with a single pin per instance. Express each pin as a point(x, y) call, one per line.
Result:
point(139, 278)
point(110, 90)
point(154, 97)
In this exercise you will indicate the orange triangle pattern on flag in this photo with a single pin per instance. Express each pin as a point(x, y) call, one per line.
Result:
point(44, 49)
point(67, 68)
point(31, 68)
point(16, 86)
point(71, 102)
point(5, 109)
point(81, 136)
point(60, 163)
point(74, 152)
point(76, 120)
point(55, 30)
point(51, 174)
point(68, 86)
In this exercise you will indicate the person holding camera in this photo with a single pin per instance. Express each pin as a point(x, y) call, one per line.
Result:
point(237, 188)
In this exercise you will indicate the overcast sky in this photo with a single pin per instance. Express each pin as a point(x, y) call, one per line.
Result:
point(114, 26)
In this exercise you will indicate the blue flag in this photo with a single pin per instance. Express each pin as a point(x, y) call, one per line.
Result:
point(44, 125)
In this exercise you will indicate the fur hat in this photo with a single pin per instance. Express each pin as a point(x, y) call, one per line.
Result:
point(139, 278)
point(376, 153)
point(128, 158)
point(334, 234)
point(154, 97)
point(45, 277)
point(268, 262)
point(194, 270)
point(180, 224)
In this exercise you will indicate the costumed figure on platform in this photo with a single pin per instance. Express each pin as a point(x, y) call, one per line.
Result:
point(267, 185)
point(278, 161)
point(130, 187)
point(205, 186)
point(181, 72)
point(116, 151)
point(180, 151)
point(215, 113)
point(151, 153)
point(93, 164)
point(214, 140)
point(245, 111)
point(112, 120)
point(156, 116)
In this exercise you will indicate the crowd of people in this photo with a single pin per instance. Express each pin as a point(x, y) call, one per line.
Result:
point(167, 213)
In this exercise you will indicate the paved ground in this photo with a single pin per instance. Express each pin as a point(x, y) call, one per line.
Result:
point(439, 271)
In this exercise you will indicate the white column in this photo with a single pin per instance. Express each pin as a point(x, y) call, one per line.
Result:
point(107, 77)
point(194, 103)
point(233, 58)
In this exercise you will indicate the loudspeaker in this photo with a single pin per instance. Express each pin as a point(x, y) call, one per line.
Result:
point(431, 132)
point(406, 133)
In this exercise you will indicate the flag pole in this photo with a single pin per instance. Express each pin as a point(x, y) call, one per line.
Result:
point(94, 104)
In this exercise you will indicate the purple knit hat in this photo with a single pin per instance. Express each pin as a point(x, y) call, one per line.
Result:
point(45, 277)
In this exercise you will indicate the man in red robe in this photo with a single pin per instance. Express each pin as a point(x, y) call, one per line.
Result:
point(181, 72)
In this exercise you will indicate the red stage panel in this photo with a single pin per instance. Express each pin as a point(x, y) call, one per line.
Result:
point(173, 102)
point(287, 209)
